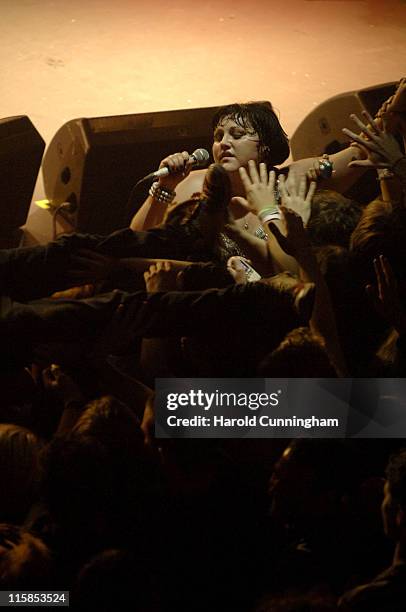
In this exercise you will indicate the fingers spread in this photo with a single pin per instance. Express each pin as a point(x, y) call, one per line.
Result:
point(368, 144)
point(272, 178)
point(292, 180)
point(252, 168)
point(282, 187)
point(374, 127)
point(302, 186)
point(245, 179)
point(364, 128)
point(310, 193)
point(263, 173)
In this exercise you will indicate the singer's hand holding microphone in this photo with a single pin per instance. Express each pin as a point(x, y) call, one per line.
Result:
point(178, 166)
point(174, 168)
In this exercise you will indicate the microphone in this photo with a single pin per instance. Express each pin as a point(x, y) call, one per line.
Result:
point(198, 158)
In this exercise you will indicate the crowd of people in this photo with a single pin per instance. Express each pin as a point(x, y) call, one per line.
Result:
point(239, 270)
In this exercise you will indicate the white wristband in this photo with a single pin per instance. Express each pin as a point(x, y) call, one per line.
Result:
point(276, 216)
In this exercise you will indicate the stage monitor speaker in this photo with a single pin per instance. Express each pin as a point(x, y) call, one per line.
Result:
point(321, 131)
point(95, 163)
point(21, 149)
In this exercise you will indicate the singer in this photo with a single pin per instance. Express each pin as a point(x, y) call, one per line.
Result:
point(240, 132)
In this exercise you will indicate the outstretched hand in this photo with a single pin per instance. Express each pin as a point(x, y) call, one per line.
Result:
point(294, 196)
point(394, 110)
point(380, 146)
point(259, 187)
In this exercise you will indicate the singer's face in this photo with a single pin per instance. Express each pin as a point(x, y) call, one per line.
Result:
point(234, 145)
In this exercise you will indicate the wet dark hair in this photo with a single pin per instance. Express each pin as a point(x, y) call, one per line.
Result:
point(274, 143)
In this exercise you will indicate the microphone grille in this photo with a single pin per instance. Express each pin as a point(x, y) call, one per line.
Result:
point(201, 156)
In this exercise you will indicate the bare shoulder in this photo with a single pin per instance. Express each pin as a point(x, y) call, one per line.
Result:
point(189, 186)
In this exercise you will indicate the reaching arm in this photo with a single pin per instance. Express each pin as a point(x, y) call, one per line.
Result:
point(292, 239)
point(260, 190)
point(382, 152)
point(323, 321)
point(90, 266)
point(343, 177)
